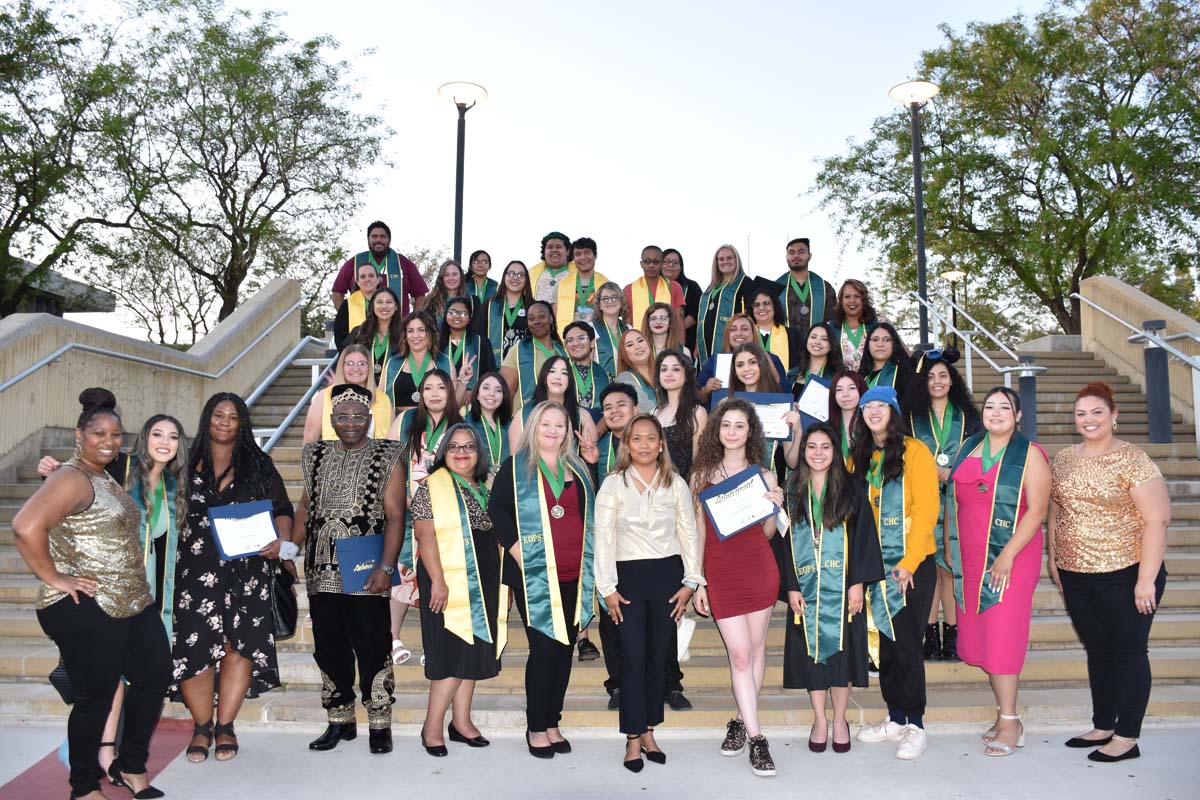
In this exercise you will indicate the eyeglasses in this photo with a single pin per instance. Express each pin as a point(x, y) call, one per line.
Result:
point(347, 419)
point(581, 339)
point(880, 340)
point(458, 312)
point(610, 298)
point(354, 363)
point(763, 304)
point(659, 318)
point(514, 274)
point(467, 448)
point(652, 261)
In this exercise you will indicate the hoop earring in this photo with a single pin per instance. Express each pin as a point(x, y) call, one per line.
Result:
point(1114, 426)
point(78, 450)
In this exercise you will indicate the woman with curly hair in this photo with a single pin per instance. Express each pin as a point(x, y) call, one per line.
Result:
point(941, 414)
point(223, 615)
point(418, 353)
point(679, 410)
point(854, 319)
point(741, 572)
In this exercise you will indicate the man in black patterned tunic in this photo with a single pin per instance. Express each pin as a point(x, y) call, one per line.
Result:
point(353, 487)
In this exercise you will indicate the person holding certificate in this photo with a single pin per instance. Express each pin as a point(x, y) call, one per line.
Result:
point(942, 415)
point(543, 509)
point(832, 554)
point(993, 541)
point(751, 373)
point(741, 571)
point(647, 566)
point(715, 372)
point(901, 480)
point(353, 488)
point(459, 575)
point(223, 606)
point(79, 535)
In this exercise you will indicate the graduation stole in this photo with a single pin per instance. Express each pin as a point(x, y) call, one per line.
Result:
point(599, 383)
point(543, 606)
point(407, 555)
point(356, 312)
point(466, 613)
point(608, 446)
point(1006, 501)
point(489, 288)
point(725, 300)
point(496, 440)
point(468, 346)
point(639, 293)
point(166, 493)
point(381, 415)
point(884, 599)
point(526, 372)
point(819, 561)
point(392, 273)
point(606, 346)
point(777, 343)
point(925, 428)
point(495, 324)
point(884, 376)
point(813, 296)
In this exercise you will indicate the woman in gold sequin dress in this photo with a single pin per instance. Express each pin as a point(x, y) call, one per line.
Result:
point(79, 535)
point(1107, 532)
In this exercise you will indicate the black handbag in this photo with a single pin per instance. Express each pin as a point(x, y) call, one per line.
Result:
point(284, 606)
point(62, 682)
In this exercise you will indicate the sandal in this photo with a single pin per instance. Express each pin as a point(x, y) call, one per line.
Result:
point(989, 735)
point(200, 730)
point(400, 653)
point(231, 748)
point(998, 748)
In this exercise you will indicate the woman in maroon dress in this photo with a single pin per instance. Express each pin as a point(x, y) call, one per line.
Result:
point(741, 572)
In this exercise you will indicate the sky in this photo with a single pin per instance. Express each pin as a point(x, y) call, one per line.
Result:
point(682, 124)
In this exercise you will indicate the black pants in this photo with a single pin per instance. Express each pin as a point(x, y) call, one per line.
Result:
point(349, 628)
point(1115, 636)
point(902, 660)
point(548, 668)
point(97, 651)
point(610, 643)
point(645, 636)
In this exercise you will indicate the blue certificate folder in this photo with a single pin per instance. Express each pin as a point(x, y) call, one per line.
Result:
point(358, 556)
point(237, 511)
point(715, 493)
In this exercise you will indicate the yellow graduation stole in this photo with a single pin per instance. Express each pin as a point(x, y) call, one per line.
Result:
point(640, 294)
point(777, 343)
point(567, 300)
point(466, 612)
point(357, 310)
point(381, 415)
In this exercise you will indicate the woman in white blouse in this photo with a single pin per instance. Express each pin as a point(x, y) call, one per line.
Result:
point(647, 567)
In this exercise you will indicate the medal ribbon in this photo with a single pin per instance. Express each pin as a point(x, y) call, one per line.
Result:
point(885, 598)
point(466, 613)
point(987, 458)
point(819, 561)
point(494, 440)
point(583, 385)
point(412, 368)
point(557, 479)
point(511, 313)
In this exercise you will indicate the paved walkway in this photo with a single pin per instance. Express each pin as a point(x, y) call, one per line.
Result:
point(276, 763)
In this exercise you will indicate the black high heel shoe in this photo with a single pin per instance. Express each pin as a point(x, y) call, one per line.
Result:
point(471, 741)
point(634, 764)
point(538, 752)
point(114, 775)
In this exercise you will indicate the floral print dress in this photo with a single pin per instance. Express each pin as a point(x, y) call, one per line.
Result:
point(219, 602)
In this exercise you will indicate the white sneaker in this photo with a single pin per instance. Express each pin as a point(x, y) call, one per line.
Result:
point(885, 731)
point(912, 743)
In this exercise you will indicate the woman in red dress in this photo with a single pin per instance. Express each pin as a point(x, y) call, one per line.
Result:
point(741, 572)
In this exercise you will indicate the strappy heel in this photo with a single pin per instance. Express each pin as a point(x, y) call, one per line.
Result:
point(998, 748)
point(225, 729)
point(654, 756)
point(990, 733)
point(204, 729)
point(634, 764)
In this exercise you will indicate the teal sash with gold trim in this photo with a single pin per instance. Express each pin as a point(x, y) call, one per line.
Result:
point(816, 296)
point(884, 376)
point(469, 349)
point(526, 374)
point(608, 446)
point(496, 335)
point(709, 345)
point(606, 348)
point(819, 561)
point(1006, 502)
point(884, 599)
point(170, 543)
point(923, 429)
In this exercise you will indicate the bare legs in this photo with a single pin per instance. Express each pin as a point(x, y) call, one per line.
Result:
point(443, 694)
point(746, 643)
point(1004, 689)
point(198, 695)
point(108, 752)
point(944, 597)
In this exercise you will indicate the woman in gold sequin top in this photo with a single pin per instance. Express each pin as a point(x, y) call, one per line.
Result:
point(79, 535)
point(1107, 532)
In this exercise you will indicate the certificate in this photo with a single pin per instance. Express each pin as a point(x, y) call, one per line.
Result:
point(771, 409)
point(722, 368)
point(737, 503)
point(813, 403)
point(358, 556)
point(242, 529)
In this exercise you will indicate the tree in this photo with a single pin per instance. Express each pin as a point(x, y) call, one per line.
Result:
point(248, 140)
point(61, 102)
point(1060, 147)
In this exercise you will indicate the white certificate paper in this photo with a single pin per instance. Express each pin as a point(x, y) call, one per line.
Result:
point(722, 368)
point(242, 529)
point(738, 502)
point(814, 400)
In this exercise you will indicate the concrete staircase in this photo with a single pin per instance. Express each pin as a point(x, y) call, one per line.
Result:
point(1054, 683)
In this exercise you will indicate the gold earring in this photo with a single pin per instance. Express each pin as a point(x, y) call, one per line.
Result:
point(78, 449)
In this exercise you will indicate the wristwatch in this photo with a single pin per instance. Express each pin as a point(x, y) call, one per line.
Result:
point(388, 568)
point(691, 585)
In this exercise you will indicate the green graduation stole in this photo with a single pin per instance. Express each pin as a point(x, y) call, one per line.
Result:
point(720, 305)
point(526, 373)
point(884, 599)
point(925, 428)
point(815, 290)
point(166, 488)
point(496, 440)
point(543, 607)
point(392, 273)
point(607, 446)
point(473, 290)
point(600, 381)
point(819, 561)
point(466, 613)
point(884, 376)
point(606, 347)
point(1006, 501)
point(468, 348)
point(496, 331)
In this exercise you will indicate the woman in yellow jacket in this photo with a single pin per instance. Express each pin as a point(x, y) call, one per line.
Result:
point(901, 478)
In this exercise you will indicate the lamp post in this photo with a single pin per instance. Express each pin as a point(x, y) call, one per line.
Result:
point(952, 277)
point(915, 94)
point(464, 95)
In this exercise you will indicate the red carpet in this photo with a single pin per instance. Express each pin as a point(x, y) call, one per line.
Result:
point(48, 777)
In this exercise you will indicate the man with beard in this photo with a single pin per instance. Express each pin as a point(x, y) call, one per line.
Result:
point(807, 297)
point(395, 271)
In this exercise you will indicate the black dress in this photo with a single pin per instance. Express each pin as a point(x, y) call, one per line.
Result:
point(680, 448)
point(220, 601)
point(864, 564)
point(446, 655)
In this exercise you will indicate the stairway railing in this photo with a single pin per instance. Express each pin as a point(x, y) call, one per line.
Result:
point(321, 367)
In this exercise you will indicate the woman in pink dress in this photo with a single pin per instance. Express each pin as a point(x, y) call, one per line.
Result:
point(1001, 490)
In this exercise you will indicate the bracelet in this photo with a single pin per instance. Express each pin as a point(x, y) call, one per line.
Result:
point(691, 585)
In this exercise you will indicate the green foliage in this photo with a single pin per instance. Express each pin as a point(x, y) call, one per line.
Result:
point(1060, 147)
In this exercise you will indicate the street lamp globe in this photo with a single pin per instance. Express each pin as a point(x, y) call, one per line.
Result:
point(909, 92)
point(463, 93)
point(953, 276)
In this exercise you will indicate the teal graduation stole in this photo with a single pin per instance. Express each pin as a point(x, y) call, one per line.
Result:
point(600, 381)
point(884, 376)
point(170, 544)
point(819, 560)
point(526, 372)
point(473, 290)
point(495, 439)
point(1006, 501)
point(884, 599)
point(467, 350)
point(406, 556)
point(392, 274)
point(606, 347)
point(815, 299)
point(944, 449)
point(607, 446)
point(500, 338)
point(543, 607)
point(719, 304)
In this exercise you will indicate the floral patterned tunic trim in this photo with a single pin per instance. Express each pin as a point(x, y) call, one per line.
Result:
point(217, 601)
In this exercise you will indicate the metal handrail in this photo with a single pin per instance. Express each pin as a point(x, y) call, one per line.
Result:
point(965, 335)
point(25, 373)
point(962, 313)
point(278, 432)
point(284, 363)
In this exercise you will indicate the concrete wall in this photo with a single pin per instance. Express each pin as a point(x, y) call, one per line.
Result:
point(48, 397)
point(1107, 339)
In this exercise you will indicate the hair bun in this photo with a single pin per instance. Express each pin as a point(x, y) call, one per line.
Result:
point(950, 355)
point(97, 399)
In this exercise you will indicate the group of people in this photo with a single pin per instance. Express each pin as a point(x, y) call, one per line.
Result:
point(542, 444)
